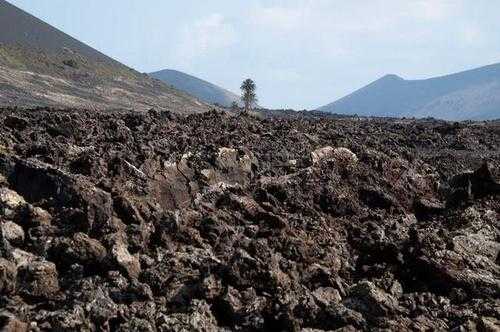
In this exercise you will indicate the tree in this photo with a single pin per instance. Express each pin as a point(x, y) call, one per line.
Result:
point(249, 97)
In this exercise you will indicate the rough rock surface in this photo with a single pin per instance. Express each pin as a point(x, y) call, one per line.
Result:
point(156, 222)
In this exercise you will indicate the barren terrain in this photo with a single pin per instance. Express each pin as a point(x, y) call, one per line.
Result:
point(158, 222)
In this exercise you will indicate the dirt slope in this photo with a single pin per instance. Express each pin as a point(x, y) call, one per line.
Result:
point(40, 66)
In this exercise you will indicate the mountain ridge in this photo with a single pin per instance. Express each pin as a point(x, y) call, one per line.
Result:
point(471, 94)
point(200, 88)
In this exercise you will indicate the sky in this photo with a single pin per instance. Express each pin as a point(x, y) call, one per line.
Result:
point(302, 54)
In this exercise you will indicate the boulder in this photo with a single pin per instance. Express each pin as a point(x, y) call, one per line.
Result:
point(128, 263)
point(232, 166)
point(39, 182)
point(38, 279)
point(425, 208)
point(343, 157)
point(322, 154)
point(36, 216)
point(370, 300)
point(8, 274)
point(326, 295)
point(80, 249)
point(10, 201)
point(21, 257)
point(13, 233)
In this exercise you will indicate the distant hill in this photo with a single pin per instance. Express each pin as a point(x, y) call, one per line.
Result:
point(42, 66)
point(472, 94)
point(203, 90)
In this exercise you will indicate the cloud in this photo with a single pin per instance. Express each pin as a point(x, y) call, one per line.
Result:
point(205, 36)
point(434, 10)
point(352, 16)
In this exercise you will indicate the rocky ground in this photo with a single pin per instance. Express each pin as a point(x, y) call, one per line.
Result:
point(156, 222)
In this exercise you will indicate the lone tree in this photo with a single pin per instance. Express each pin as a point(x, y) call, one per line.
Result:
point(248, 94)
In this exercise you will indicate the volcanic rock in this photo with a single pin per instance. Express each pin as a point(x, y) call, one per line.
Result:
point(8, 273)
point(12, 232)
point(154, 222)
point(38, 279)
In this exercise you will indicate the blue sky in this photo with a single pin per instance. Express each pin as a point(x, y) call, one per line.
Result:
point(301, 53)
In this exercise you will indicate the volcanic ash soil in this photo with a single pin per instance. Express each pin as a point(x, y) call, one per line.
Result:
point(155, 222)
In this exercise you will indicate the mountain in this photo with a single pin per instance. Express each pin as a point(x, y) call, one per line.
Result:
point(472, 94)
point(203, 90)
point(42, 66)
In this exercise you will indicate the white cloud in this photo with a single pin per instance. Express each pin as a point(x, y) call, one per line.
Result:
point(434, 10)
point(352, 16)
point(207, 35)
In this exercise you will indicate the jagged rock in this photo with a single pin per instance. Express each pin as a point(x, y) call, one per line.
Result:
point(62, 320)
point(12, 232)
point(465, 186)
point(10, 323)
point(80, 249)
point(211, 287)
point(213, 222)
point(198, 319)
point(376, 198)
point(21, 257)
point(36, 216)
point(39, 182)
point(232, 166)
point(10, 201)
point(476, 244)
point(136, 324)
point(38, 279)
point(425, 208)
point(343, 157)
point(8, 274)
point(322, 154)
point(327, 295)
point(477, 275)
point(368, 299)
point(128, 263)
point(101, 309)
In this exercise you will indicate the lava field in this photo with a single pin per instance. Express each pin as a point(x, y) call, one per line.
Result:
point(125, 221)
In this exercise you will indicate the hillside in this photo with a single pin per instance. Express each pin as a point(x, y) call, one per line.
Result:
point(203, 90)
point(472, 94)
point(35, 56)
